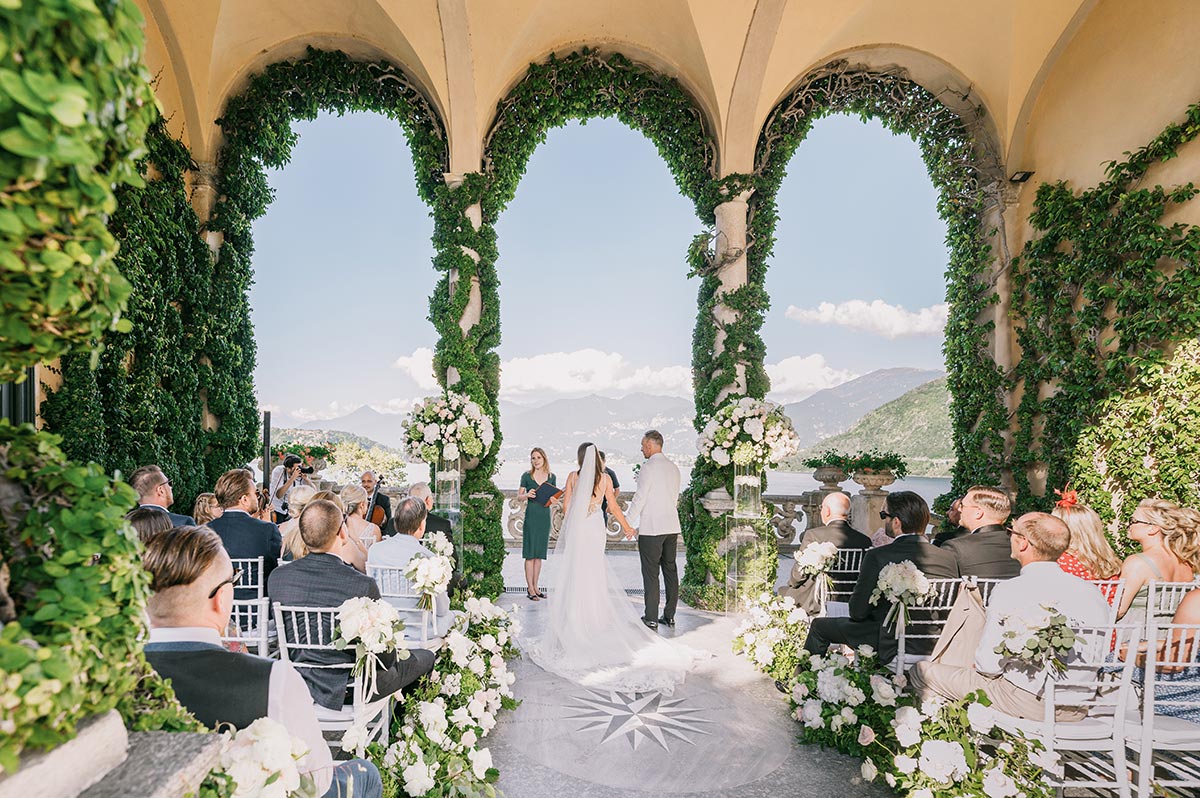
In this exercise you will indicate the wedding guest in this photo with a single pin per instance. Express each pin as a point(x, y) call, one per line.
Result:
point(1036, 542)
point(1182, 646)
point(1170, 539)
point(363, 534)
point(293, 545)
point(154, 490)
point(244, 535)
point(189, 608)
point(1089, 555)
point(954, 522)
point(206, 508)
point(265, 513)
point(433, 521)
point(148, 521)
point(985, 551)
point(370, 482)
point(615, 483)
point(535, 534)
point(398, 550)
point(835, 528)
point(325, 579)
point(905, 520)
point(284, 477)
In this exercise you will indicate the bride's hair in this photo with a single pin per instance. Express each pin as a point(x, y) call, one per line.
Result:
point(599, 466)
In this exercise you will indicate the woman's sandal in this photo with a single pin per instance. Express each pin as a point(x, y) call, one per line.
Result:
point(532, 596)
point(541, 594)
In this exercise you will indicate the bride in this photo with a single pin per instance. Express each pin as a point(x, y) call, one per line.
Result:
point(594, 636)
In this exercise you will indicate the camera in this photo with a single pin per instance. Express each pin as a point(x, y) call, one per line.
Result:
point(307, 469)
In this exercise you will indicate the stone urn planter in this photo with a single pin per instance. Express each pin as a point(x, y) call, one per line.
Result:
point(830, 477)
point(873, 481)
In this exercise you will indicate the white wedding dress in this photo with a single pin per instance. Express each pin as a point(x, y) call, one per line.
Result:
point(594, 636)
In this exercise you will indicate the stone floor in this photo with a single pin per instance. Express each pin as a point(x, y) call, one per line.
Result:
point(724, 732)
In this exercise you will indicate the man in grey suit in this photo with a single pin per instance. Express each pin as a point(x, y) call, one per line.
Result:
point(325, 579)
point(656, 508)
point(835, 528)
point(154, 491)
point(905, 520)
point(985, 552)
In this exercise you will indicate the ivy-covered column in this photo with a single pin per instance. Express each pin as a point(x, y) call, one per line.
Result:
point(732, 273)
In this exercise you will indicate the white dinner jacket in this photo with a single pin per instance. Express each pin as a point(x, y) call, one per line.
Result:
point(656, 503)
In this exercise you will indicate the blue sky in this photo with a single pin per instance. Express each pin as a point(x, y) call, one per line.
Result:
point(594, 293)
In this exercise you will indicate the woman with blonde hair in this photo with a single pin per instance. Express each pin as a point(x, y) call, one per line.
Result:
point(206, 508)
point(1170, 539)
point(1089, 556)
point(535, 533)
point(362, 533)
point(293, 545)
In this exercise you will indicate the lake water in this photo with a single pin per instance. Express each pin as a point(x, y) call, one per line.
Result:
point(778, 482)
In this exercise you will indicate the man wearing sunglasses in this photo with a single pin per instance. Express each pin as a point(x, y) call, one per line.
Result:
point(155, 492)
point(193, 583)
point(984, 552)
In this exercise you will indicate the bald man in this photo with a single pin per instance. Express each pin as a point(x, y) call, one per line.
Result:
point(835, 528)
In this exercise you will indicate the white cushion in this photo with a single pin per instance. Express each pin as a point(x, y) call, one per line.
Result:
point(837, 609)
point(1169, 732)
point(1087, 729)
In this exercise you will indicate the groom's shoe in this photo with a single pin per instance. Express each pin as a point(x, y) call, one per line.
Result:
point(649, 623)
point(668, 621)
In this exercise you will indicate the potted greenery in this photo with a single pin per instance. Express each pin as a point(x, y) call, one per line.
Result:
point(831, 468)
point(875, 469)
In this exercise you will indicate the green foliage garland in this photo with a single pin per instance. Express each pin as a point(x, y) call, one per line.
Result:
point(75, 104)
point(1104, 290)
point(144, 403)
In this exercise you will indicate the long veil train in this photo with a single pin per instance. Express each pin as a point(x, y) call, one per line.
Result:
point(593, 635)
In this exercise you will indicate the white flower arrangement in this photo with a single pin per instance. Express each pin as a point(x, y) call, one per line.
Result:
point(772, 635)
point(439, 544)
point(903, 585)
point(428, 577)
point(1043, 642)
point(373, 627)
point(264, 761)
point(437, 748)
point(814, 561)
point(449, 426)
point(748, 432)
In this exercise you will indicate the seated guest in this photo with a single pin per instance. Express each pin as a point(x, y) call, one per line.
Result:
point(188, 610)
point(148, 521)
point(1089, 556)
point(293, 546)
point(835, 529)
point(1170, 539)
point(954, 523)
point(325, 579)
point(906, 517)
point(1183, 645)
point(1036, 542)
point(370, 482)
point(206, 508)
point(363, 534)
point(984, 552)
point(154, 490)
point(398, 550)
point(244, 535)
point(433, 521)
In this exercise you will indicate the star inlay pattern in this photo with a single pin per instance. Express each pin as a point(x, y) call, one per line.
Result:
point(640, 717)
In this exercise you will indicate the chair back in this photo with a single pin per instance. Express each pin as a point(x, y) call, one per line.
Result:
point(986, 585)
point(395, 589)
point(843, 574)
point(1169, 745)
point(1113, 591)
point(250, 624)
point(251, 583)
point(307, 629)
point(1164, 597)
point(925, 623)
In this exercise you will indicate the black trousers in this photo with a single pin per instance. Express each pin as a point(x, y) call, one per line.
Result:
point(402, 672)
point(824, 632)
point(658, 554)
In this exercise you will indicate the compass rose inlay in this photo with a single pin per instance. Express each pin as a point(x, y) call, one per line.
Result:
point(638, 717)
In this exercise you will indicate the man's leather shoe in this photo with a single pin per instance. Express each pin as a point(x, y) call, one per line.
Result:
point(649, 623)
point(668, 621)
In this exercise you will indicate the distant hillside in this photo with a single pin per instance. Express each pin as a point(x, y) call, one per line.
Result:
point(917, 426)
point(282, 435)
point(835, 410)
point(386, 428)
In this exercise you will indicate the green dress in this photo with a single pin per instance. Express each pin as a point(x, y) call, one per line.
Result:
point(535, 537)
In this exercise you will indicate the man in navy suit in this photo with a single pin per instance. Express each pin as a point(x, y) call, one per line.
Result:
point(244, 535)
point(154, 491)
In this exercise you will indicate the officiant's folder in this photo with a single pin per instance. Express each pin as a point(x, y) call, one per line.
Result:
point(545, 494)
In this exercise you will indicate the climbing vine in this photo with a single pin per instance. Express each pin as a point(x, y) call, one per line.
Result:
point(1104, 291)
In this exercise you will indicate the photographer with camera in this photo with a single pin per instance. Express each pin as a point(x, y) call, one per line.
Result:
point(284, 477)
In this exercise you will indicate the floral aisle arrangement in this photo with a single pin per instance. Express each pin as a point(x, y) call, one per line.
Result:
point(373, 627)
point(772, 636)
point(1039, 644)
point(814, 562)
point(449, 426)
point(749, 432)
point(954, 749)
point(903, 585)
point(439, 728)
point(261, 761)
point(428, 577)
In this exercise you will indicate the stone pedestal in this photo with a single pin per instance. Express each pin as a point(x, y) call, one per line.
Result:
point(69, 769)
point(161, 765)
point(866, 505)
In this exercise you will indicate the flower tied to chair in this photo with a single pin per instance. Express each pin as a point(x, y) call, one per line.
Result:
point(903, 585)
point(373, 627)
point(1066, 498)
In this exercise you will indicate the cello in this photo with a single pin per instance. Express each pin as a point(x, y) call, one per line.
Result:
point(375, 513)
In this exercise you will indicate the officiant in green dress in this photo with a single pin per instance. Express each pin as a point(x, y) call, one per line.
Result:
point(535, 534)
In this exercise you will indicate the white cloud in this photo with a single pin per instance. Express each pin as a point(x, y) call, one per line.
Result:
point(588, 371)
point(395, 405)
point(796, 377)
point(419, 366)
point(876, 317)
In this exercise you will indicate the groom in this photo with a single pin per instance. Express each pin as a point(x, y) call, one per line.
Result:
point(655, 506)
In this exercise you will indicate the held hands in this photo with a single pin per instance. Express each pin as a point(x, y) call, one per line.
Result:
point(629, 532)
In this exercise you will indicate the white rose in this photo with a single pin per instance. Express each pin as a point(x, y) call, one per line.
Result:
point(924, 792)
point(866, 736)
point(869, 771)
point(980, 718)
point(908, 736)
point(481, 760)
point(905, 764)
point(469, 739)
point(417, 779)
point(998, 784)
